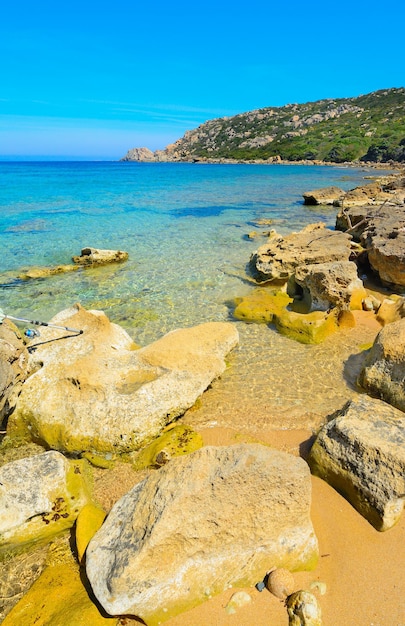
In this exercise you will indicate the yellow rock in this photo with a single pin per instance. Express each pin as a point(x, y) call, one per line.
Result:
point(356, 299)
point(175, 442)
point(57, 598)
point(346, 319)
point(67, 501)
point(306, 328)
point(89, 520)
point(261, 305)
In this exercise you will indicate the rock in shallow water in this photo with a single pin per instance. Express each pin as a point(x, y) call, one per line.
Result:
point(203, 522)
point(96, 392)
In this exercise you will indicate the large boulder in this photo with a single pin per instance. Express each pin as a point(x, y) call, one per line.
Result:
point(13, 367)
point(383, 373)
point(361, 453)
point(327, 285)
point(278, 259)
point(323, 196)
point(96, 392)
point(381, 231)
point(40, 496)
point(216, 518)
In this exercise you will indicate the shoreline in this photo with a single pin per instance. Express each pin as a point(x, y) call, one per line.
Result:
point(353, 556)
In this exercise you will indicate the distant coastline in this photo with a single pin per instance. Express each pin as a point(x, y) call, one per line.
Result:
point(367, 129)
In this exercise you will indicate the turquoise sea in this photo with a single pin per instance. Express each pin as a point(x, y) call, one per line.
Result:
point(185, 228)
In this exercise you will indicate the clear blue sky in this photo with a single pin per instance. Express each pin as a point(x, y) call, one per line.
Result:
point(94, 78)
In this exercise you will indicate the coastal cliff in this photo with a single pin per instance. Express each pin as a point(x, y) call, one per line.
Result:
point(368, 128)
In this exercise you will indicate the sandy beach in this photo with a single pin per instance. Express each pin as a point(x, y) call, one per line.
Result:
point(361, 567)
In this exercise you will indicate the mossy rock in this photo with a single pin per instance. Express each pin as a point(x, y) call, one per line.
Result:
point(261, 305)
point(356, 299)
point(58, 598)
point(307, 328)
point(66, 501)
point(89, 521)
point(106, 461)
point(176, 441)
point(13, 450)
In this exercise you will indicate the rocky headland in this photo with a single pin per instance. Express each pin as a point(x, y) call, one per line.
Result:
point(368, 128)
point(115, 509)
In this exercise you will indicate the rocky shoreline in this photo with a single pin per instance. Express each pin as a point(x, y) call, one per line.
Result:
point(197, 519)
point(144, 155)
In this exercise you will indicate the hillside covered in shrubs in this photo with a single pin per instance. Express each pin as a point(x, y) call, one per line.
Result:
point(366, 128)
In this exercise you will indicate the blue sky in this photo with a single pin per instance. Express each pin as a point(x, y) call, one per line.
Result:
point(94, 79)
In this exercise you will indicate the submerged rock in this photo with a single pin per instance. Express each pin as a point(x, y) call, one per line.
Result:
point(261, 305)
point(44, 272)
point(361, 453)
point(202, 523)
point(383, 374)
point(39, 497)
point(96, 392)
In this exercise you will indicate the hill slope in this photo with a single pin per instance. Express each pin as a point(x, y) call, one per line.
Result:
point(367, 128)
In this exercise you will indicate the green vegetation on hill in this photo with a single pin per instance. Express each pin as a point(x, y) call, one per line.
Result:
point(367, 128)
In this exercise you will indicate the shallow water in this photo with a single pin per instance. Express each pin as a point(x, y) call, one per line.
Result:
point(185, 229)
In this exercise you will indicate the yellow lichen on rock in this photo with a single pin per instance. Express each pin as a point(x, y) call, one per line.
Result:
point(306, 328)
point(175, 442)
point(261, 305)
point(89, 521)
point(58, 597)
point(65, 502)
point(356, 299)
